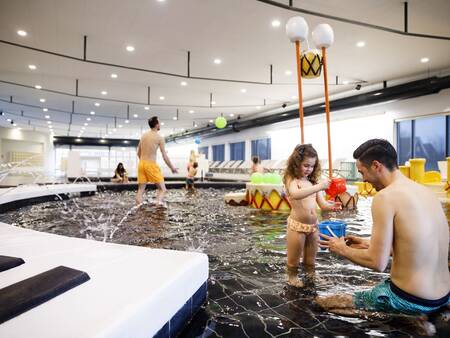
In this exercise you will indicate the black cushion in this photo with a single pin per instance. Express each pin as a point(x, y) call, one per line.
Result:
point(7, 262)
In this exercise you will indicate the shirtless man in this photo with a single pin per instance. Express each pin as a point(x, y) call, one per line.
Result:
point(148, 170)
point(408, 221)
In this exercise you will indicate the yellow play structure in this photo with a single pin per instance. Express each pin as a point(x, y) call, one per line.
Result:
point(416, 171)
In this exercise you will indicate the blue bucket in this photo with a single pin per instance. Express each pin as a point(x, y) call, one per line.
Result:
point(337, 228)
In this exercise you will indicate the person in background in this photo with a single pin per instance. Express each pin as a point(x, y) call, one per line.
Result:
point(120, 174)
point(256, 166)
point(193, 157)
point(191, 176)
point(148, 169)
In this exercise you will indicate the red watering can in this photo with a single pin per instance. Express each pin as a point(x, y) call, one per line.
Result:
point(336, 187)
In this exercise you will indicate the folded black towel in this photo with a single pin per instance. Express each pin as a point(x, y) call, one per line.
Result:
point(7, 262)
point(31, 292)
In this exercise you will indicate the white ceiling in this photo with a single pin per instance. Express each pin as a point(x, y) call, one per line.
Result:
point(237, 31)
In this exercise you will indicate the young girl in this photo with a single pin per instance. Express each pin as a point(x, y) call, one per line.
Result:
point(303, 188)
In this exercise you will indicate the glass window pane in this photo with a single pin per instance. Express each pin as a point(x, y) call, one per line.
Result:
point(429, 140)
point(237, 151)
point(219, 152)
point(404, 144)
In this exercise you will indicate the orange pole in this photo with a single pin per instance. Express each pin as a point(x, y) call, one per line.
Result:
point(300, 95)
point(327, 109)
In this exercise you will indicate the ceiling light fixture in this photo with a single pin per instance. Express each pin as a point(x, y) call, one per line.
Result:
point(86, 124)
point(258, 107)
point(146, 108)
point(32, 67)
point(44, 109)
point(88, 119)
point(276, 23)
point(42, 100)
point(376, 94)
point(288, 72)
point(191, 112)
point(47, 116)
point(114, 76)
point(97, 104)
point(162, 98)
point(243, 90)
point(424, 60)
point(22, 33)
point(127, 121)
point(38, 87)
point(92, 112)
point(135, 115)
point(231, 114)
point(183, 83)
point(104, 92)
point(217, 61)
point(174, 118)
point(360, 44)
point(346, 82)
point(213, 102)
point(130, 48)
point(162, 123)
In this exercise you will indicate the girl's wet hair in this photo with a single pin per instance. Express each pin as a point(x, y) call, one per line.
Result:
point(294, 162)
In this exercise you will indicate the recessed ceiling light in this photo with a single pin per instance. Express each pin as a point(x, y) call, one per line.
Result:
point(49, 122)
point(47, 116)
point(276, 23)
point(293, 97)
point(360, 44)
point(114, 76)
point(287, 72)
point(376, 94)
point(345, 82)
point(88, 119)
point(38, 87)
point(243, 90)
point(78, 139)
point(104, 92)
point(161, 0)
point(127, 121)
point(22, 33)
point(162, 98)
point(130, 48)
point(191, 111)
point(9, 120)
point(15, 124)
point(217, 61)
point(42, 100)
point(92, 112)
point(258, 107)
point(97, 104)
point(44, 109)
point(183, 83)
point(32, 67)
point(195, 125)
point(162, 123)
point(424, 60)
point(175, 118)
point(231, 114)
point(211, 121)
point(86, 124)
point(146, 108)
point(213, 102)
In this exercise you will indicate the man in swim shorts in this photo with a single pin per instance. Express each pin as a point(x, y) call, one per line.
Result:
point(409, 222)
point(148, 169)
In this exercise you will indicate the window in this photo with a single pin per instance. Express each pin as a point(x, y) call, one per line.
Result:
point(237, 151)
point(218, 152)
point(262, 148)
point(203, 150)
point(424, 137)
point(404, 141)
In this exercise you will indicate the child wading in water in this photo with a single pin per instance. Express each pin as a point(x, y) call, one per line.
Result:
point(303, 188)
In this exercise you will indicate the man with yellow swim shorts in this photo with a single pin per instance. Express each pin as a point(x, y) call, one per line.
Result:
point(148, 169)
point(409, 223)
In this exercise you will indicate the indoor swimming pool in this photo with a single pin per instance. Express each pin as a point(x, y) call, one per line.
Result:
point(247, 291)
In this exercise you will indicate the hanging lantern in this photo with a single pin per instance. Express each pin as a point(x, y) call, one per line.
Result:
point(221, 122)
point(311, 64)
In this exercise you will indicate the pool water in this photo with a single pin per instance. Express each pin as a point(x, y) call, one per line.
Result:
point(247, 292)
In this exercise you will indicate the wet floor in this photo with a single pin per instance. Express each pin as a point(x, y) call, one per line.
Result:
point(247, 292)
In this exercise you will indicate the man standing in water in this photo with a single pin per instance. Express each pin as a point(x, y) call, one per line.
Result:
point(148, 169)
point(409, 222)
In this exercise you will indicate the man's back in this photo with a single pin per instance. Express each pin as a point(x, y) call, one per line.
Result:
point(149, 144)
point(421, 240)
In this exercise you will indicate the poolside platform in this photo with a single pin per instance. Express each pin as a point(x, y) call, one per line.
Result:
point(132, 291)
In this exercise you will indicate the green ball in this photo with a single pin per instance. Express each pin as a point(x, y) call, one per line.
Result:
point(267, 178)
point(277, 179)
point(221, 122)
point(256, 178)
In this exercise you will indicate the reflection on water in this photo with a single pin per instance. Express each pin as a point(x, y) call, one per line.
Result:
point(248, 296)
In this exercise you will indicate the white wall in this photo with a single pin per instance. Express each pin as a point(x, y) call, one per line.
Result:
point(29, 140)
point(349, 128)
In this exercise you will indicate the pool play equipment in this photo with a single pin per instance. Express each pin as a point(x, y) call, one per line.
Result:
point(236, 198)
point(266, 192)
point(332, 228)
point(431, 179)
